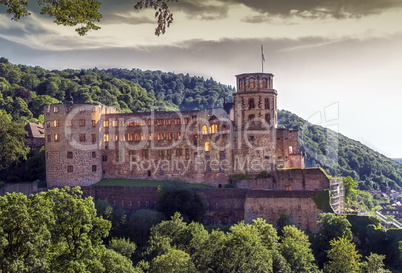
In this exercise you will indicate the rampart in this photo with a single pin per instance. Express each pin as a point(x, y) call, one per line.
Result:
point(226, 206)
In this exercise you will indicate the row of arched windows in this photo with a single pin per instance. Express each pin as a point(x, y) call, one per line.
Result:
point(251, 83)
point(251, 103)
point(212, 129)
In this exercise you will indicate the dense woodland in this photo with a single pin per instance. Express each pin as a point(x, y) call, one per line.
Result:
point(24, 90)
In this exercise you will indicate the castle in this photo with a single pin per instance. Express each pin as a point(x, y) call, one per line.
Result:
point(240, 141)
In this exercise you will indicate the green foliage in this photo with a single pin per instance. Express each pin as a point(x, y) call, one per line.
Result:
point(351, 191)
point(323, 201)
point(343, 257)
point(191, 204)
point(140, 223)
point(123, 246)
point(342, 156)
point(55, 231)
point(174, 261)
point(295, 247)
point(12, 141)
point(374, 264)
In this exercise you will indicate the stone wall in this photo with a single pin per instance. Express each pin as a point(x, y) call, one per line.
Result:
point(226, 206)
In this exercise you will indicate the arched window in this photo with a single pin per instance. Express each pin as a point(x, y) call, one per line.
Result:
point(266, 102)
point(214, 128)
point(264, 83)
point(207, 146)
point(204, 130)
point(251, 83)
point(268, 118)
point(241, 85)
point(251, 104)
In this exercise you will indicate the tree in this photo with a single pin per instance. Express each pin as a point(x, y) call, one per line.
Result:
point(123, 246)
point(351, 191)
point(343, 257)
point(374, 264)
point(85, 13)
point(174, 261)
point(12, 141)
point(295, 247)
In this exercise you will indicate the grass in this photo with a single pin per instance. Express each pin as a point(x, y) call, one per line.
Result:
point(146, 183)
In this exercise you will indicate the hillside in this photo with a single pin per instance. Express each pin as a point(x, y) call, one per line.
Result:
point(24, 90)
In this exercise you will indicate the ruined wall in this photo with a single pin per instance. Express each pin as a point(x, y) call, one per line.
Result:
point(225, 206)
point(269, 205)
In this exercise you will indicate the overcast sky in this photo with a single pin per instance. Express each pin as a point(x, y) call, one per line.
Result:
point(337, 63)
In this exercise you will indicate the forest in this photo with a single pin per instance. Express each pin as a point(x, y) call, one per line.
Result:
point(24, 90)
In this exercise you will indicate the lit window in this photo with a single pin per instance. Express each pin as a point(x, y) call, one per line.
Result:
point(214, 128)
point(251, 83)
point(186, 121)
point(177, 135)
point(55, 109)
point(106, 137)
point(56, 138)
point(168, 122)
point(47, 124)
point(160, 136)
point(207, 146)
point(106, 123)
point(69, 123)
point(204, 130)
point(114, 123)
point(159, 121)
point(56, 123)
point(169, 135)
point(93, 123)
point(115, 137)
point(137, 137)
point(177, 121)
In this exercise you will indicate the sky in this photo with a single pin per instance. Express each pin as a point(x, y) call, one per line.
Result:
point(336, 63)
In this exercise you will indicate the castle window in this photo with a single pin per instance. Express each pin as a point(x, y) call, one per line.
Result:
point(69, 123)
point(82, 137)
point(93, 123)
point(161, 154)
point(168, 122)
point(268, 118)
point(151, 136)
point(69, 154)
point(149, 122)
point(55, 109)
point(266, 103)
point(70, 168)
point(106, 137)
point(137, 137)
point(104, 158)
point(106, 123)
point(241, 85)
point(264, 83)
point(47, 124)
point(115, 137)
point(115, 123)
point(82, 122)
point(94, 168)
point(56, 138)
point(93, 138)
point(251, 83)
point(145, 154)
point(251, 117)
point(160, 136)
point(179, 152)
point(251, 104)
point(177, 135)
point(93, 154)
point(159, 122)
point(177, 121)
point(169, 154)
point(186, 120)
point(207, 146)
point(204, 130)
point(49, 138)
point(169, 135)
point(214, 128)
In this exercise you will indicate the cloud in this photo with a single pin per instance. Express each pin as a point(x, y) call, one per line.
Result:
point(314, 9)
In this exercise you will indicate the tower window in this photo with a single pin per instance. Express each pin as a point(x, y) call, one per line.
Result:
point(56, 109)
point(56, 123)
point(251, 104)
point(47, 124)
point(251, 83)
point(204, 130)
point(104, 158)
point(56, 138)
point(214, 128)
point(266, 102)
point(69, 123)
point(268, 118)
point(93, 154)
point(264, 83)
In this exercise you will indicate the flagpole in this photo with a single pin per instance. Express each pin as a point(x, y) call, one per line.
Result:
point(262, 58)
